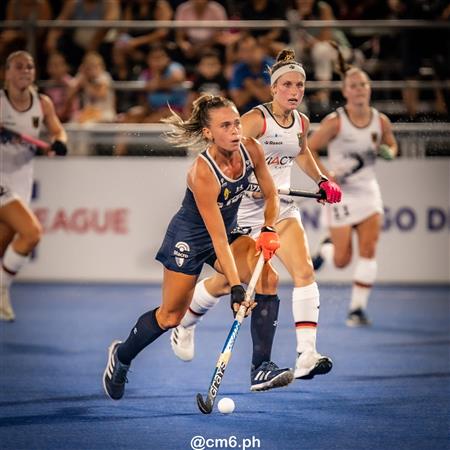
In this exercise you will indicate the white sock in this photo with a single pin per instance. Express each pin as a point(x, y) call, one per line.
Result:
point(327, 252)
point(363, 279)
point(305, 308)
point(11, 264)
point(202, 302)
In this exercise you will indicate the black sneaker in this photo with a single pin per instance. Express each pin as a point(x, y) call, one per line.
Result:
point(268, 376)
point(317, 259)
point(115, 375)
point(357, 318)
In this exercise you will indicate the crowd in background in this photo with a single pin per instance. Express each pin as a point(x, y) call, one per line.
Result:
point(176, 65)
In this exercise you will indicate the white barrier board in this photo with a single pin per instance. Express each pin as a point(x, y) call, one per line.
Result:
point(104, 219)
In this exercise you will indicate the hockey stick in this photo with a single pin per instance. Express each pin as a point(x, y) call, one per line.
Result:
point(206, 406)
point(253, 187)
point(24, 137)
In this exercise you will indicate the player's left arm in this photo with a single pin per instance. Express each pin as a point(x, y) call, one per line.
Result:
point(307, 163)
point(54, 126)
point(304, 159)
point(265, 181)
point(388, 148)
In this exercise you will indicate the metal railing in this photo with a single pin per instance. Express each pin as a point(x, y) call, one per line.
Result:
point(416, 140)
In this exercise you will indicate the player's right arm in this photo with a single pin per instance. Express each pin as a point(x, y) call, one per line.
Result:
point(206, 189)
point(326, 132)
point(253, 124)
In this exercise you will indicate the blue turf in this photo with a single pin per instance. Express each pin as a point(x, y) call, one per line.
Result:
point(389, 388)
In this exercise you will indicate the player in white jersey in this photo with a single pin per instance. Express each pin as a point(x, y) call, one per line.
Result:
point(355, 136)
point(24, 111)
point(282, 132)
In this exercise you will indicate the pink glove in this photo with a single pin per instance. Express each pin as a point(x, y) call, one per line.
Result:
point(333, 193)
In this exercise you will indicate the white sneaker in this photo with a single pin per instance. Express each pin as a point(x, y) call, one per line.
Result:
point(182, 342)
point(6, 310)
point(309, 364)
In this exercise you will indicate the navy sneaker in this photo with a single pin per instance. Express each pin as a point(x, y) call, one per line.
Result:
point(268, 376)
point(115, 375)
point(357, 318)
point(317, 259)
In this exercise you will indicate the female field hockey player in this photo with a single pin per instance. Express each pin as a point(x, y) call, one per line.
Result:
point(204, 231)
point(24, 111)
point(354, 135)
point(282, 132)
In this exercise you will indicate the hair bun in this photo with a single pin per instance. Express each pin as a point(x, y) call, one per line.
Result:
point(286, 54)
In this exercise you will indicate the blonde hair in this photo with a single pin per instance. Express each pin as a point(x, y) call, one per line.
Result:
point(189, 133)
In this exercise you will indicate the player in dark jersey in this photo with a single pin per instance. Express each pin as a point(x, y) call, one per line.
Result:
point(202, 230)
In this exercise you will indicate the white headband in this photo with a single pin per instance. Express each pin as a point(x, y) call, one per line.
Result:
point(286, 69)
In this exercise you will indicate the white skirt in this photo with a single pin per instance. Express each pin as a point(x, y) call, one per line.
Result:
point(251, 213)
point(357, 204)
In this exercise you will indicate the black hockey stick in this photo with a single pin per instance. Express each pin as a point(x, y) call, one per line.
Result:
point(9, 132)
point(321, 195)
point(206, 405)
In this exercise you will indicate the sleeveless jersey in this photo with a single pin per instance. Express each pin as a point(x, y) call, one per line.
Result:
point(354, 149)
point(187, 244)
point(17, 156)
point(353, 152)
point(281, 146)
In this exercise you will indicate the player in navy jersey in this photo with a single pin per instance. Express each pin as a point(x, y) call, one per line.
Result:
point(354, 135)
point(282, 132)
point(24, 111)
point(202, 231)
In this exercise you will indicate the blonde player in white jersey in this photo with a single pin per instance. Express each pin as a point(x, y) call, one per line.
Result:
point(355, 135)
point(282, 131)
point(24, 111)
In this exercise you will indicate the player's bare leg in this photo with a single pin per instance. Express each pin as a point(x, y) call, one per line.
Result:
point(365, 273)
point(20, 232)
point(295, 256)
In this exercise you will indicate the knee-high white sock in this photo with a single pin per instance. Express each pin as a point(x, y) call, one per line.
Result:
point(305, 307)
point(202, 302)
point(327, 253)
point(363, 279)
point(11, 264)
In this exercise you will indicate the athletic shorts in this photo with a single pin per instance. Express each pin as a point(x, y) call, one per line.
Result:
point(186, 247)
point(356, 206)
point(6, 196)
point(251, 213)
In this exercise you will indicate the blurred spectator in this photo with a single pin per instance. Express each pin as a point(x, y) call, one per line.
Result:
point(422, 59)
point(313, 47)
point(272, 39)
point(134, 44)
point(93, 85)
point(75, 42)
point(58, 91)
point(15, 39)
point(208, 79)
point(250, 80)
point(192, 42)
point(164, 86)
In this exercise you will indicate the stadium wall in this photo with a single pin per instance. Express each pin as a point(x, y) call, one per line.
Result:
point(104, 219)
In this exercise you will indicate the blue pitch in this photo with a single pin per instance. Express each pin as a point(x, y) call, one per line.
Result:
point(389, 388)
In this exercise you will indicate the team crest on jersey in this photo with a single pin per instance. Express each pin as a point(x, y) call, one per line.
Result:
point(300, 139)
point(226, 193)
point(181, 252)
point(374, 137)
point(35, 121)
